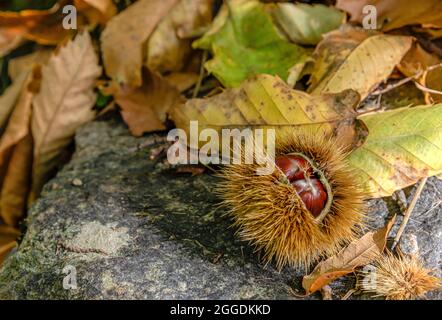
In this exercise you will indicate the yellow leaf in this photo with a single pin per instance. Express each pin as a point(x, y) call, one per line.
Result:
point(266, 101)
point(351, 58)
point(403, 146)
point(63, 104)
point(357, 254)
point(124, 36)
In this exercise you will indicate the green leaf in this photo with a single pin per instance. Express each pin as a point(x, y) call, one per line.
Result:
point(353, 58)
point(305, 24)
point(403, 146)
point(245, 42)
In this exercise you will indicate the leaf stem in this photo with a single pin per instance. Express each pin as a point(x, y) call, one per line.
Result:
point(408, 212)
point(405, 80)
point(201, 75)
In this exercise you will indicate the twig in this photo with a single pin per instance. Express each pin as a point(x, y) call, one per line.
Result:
point(405, 80)
point(421, 87)
point(201, 75)
point(76, 249)
point(379, 107)
point(348, 294)
point(407, 213)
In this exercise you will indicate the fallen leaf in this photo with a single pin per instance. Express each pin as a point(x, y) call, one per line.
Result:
point(357, 254)
point(392, 14)
point(182, 80)
point(5, 249)
point(8, 234)
point(63, 104)
point(26, 18)
point(403, 146)
point(16, 183)
point(418, 60)
point(96, 11)
point(24, 64)
point(42, 26)
point(124, 36)
point(266, 101)
point(9, 40)
point(18, 124)
point(166, 50)
point(431, 33)
point(305, 24)
point(16, 155)
point(145, 109)
point(9, 98)
point(351, 58)
point(433, 80)
point(8, 237)
point(266, 51)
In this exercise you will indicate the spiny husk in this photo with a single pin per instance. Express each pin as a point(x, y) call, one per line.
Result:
point(270, 214)
point(399, 278)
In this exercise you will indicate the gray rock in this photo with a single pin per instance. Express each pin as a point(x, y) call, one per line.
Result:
point(134, 229)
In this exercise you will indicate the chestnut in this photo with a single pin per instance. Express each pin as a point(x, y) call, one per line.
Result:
point(294, 167)
point(312, 193)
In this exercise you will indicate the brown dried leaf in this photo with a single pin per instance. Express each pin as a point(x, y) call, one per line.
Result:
point(392, 14)
point(18, 69)
point(9, 40)
point(63, 104)
point(5, 249)
point(18, 125)
point(433, 80)
point(42, 26)
point(26, 18)
point(144, 109)
point(16, 156)
point(16, 183)
point(358, 253)
point(8, 235)
point(182, 80)
point(25, 63)
point(96, 11)
point(124, 36)
point(166, 49)
point(417, 60)
point(10, 97)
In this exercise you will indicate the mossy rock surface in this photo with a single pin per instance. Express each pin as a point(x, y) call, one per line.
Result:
point(134, 229)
